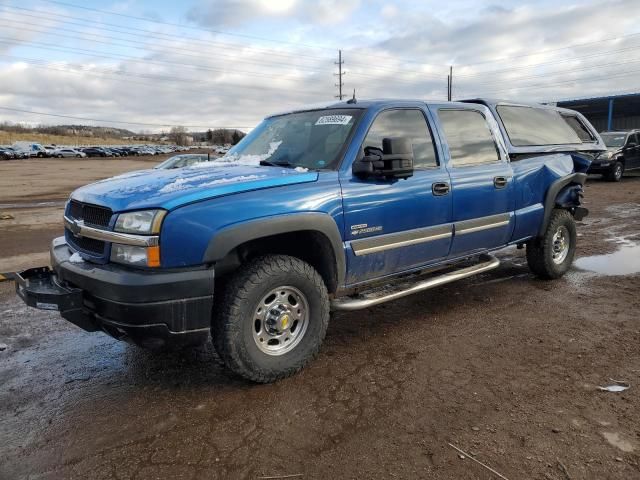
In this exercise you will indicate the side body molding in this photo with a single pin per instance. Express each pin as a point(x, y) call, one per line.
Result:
point(552, 194)
point(230, 237)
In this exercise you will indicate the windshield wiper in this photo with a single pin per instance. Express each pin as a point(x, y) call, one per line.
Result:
point(277, 164)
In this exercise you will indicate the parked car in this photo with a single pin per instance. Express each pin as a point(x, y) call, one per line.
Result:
point(19, 154)
point(185, 160)
point(32, 149)
point(7, 153)
point(50, 150)
point(314, 210)
point(622, 155)
point(68, 152)
point(130, 151)
point(94, 152)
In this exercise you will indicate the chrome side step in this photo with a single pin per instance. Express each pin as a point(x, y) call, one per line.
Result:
point(366, 300)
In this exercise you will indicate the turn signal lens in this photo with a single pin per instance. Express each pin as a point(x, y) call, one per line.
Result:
point(153, 256)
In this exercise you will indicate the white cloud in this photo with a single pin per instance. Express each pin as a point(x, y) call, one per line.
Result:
point(390, 50)
point(232, 13)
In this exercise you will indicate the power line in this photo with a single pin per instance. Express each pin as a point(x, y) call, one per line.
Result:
point(553, 49)
point(114, 121)
point(191, 27)
point(150, 33)
point(205, 86)
point(565, 60)
point(134, 45)
point(154, 34)
point(577, 80)
point(117, 56)
point(559, 72)
point(220, 32)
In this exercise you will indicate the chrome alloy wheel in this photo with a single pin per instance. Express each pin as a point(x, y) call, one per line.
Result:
point(561, 241)
point(280, 320)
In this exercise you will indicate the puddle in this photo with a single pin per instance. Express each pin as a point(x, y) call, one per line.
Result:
point(626, 261)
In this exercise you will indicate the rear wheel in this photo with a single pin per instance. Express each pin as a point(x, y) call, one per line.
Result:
point(272, 318)
point(616, 172)
point(551, 255)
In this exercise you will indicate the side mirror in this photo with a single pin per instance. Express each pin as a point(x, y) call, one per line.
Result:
point(395, 160)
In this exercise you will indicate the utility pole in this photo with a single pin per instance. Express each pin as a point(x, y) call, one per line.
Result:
point(450, 79)
point(448, 88)
point(340, 83)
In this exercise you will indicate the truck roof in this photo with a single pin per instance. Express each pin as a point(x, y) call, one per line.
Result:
point(593, 144)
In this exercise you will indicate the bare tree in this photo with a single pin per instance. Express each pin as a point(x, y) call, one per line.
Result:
point(178, 135)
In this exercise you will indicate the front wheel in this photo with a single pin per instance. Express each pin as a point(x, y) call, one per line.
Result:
point(616, 172)
point(551, 255)
point(272, 318)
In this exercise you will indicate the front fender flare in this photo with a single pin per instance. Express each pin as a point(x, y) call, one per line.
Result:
point(228, 238)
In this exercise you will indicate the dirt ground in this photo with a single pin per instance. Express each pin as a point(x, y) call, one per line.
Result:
point(34, 192)
point(503, 366)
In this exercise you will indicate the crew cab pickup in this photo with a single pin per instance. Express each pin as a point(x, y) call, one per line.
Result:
point(334, 207)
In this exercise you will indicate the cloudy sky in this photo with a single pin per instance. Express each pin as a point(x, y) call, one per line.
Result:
point(227, 63)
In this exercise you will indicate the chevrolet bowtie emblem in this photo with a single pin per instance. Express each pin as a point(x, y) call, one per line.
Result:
point(75, 226)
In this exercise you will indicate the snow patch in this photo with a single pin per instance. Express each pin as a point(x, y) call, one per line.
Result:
point(235, 159)
point(76, 258)
point(186, 183)
point(241, 178)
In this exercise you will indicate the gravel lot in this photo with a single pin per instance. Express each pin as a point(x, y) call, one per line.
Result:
point(503, 366)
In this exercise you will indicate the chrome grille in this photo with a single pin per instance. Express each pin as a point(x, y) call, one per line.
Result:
point(90, 214)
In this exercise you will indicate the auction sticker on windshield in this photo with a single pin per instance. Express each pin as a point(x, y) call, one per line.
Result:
point(334, 120)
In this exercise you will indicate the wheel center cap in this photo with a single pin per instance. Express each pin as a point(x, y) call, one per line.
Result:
point(284, 321)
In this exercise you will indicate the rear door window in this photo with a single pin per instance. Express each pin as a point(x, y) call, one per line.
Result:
point(469, 137)
point(529, 126)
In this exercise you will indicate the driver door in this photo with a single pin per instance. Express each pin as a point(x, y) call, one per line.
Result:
point(397, 225)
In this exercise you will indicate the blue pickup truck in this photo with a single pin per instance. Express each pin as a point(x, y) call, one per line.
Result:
point(329, 207)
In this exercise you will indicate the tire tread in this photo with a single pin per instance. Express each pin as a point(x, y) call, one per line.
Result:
point(237, 292)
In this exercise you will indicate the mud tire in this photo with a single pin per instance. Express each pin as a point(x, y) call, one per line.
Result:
point(540, 251)
point(233, 319)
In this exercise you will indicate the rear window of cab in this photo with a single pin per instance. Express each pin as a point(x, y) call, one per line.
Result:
point(529, 126)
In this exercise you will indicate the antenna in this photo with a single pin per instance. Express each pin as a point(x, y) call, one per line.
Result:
point(353, 100)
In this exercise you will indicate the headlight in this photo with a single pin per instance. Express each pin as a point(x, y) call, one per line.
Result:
point(146, 222)
point(138, 256)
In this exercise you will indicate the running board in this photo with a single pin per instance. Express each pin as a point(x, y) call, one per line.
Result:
point(383, 294)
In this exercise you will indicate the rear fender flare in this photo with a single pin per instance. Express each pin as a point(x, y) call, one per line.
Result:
point(552, 195)
point(228, 238)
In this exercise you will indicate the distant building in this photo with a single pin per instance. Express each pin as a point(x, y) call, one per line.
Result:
point(615, 112)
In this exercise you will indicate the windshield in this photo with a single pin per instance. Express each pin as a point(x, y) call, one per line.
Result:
point(180, 161)
point(613, 139)
point(305, 140)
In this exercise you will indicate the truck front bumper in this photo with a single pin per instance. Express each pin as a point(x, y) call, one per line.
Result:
point(601, 166)
point(149, 308)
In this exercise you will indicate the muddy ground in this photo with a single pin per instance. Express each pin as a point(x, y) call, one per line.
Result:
point(503, 366)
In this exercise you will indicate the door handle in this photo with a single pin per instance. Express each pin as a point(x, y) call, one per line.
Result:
point(440, 188)
point(500, 182)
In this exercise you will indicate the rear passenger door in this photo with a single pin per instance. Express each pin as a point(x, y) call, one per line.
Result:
point(481, 180)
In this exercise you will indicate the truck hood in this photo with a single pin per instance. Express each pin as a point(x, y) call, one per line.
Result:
point(170, 189)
